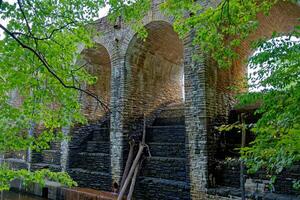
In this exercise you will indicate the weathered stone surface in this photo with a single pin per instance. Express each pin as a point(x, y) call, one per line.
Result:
point(89, 162)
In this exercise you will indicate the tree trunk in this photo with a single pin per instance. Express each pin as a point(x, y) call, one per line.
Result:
point(242, 169)
point(128, 162)
point(135, 162)
point(130, 193)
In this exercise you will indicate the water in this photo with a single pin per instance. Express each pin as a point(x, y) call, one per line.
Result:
point(12, 195)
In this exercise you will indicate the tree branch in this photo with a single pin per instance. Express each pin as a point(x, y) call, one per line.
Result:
point(24, 16)
point(43, 60)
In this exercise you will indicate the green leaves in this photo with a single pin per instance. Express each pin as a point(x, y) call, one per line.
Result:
point(27, 177)
point(277, 71)
point(218, 29)
point(37, 70)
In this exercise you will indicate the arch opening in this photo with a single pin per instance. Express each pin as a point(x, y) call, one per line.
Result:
point(154, 71)
point(97, 62)
point(282, 19)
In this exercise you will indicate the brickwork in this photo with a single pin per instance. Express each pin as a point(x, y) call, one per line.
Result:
point(96, 61)
point(154, 70)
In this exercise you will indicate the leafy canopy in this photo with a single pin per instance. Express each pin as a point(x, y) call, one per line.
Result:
point(39, 77)
point(277, 70)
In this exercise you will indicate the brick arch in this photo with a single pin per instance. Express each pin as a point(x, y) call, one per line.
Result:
point(153, 70)
point(98, 63)
point(282, 19)
point(154, 15)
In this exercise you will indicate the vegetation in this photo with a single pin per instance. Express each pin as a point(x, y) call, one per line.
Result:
point(277, 69)
point(38, 65)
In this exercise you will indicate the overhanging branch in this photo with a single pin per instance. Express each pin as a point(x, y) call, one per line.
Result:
point(48, 67)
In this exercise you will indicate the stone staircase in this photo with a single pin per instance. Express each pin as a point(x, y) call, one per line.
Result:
point(89, 162)
point(47, 159)
point(163, 176)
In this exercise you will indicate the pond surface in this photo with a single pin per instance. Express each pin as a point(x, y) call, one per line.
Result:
point(12, 195)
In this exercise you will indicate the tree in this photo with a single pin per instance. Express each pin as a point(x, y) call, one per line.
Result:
point(37, 64)
point(40, 47)
point(277, 70)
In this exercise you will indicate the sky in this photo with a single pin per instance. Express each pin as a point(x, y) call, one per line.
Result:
point(252, 71)
point(103, 12)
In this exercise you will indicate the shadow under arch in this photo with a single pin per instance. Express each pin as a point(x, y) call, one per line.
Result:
point(153, 71)
point(97, 62)
point(154, 74)
point(89, 162)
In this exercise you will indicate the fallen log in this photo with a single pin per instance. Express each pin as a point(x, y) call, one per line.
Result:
point(128, 162)
point(132, 169)
point(133, 181)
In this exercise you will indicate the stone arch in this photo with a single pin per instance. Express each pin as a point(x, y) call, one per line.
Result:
point(98, 63)
point(282, 19)
point(153, 70)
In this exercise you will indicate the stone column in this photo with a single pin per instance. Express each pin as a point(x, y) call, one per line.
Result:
point(117, 106)
point(195, 120)
point(64, 150)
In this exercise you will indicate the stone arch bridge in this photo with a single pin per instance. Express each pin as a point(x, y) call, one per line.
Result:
point(181, 98)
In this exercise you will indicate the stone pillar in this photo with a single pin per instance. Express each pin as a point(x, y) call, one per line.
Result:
point(117, 118)
point(196, 121)
point(29, 151)
point(64, 150)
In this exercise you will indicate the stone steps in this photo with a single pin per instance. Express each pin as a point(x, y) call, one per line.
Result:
point(101, 134)
point(51, 157)
point(98, 147)
point(163, 121)
point(90, 162)
point(16, 163)
point(163, 176)
point(99, 162)
point(165, 167)
point(166, 134)
point(171, 115)
point(51, 167)
point(55, 145)
point(91, 179)
point(151, 189)
point(174, 149)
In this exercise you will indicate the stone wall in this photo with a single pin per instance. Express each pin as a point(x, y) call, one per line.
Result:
point(147, 74)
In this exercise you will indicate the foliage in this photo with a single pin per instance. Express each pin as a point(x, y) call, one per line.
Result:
point(277, 70)
point(40, 81)
point(27, 177)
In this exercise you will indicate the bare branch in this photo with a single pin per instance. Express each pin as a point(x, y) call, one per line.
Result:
point(24, 16)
